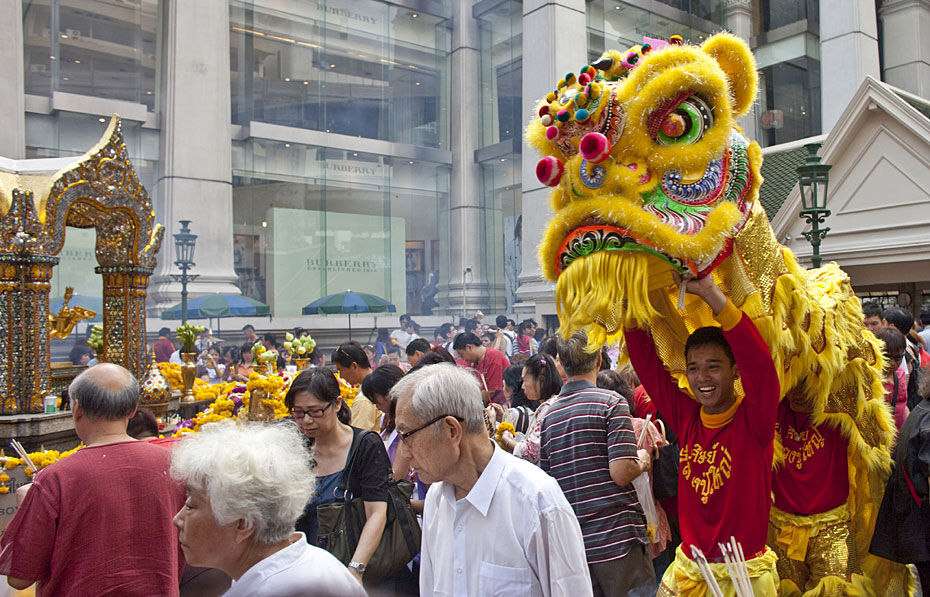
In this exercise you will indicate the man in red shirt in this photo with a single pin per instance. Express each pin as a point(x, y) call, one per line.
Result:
point(809, 524)
point(725, 485)
point(99, 521)
point(489, 363)
point(163, 346)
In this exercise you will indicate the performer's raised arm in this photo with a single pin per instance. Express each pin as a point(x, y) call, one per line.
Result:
point(747, 350)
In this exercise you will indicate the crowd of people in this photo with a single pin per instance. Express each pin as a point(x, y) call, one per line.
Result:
point(223, 361)
point(533, 466)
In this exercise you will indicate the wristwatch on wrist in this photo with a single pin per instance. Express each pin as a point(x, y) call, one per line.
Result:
point(358, 566)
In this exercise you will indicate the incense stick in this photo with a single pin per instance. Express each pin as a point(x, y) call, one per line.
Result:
point(731, 570)
point(18, 448)
point(736, 570)
point(706, 572)
point(742, 569)
point(736, 567)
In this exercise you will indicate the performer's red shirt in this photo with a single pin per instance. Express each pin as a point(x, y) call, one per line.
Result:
point(725, 484)
point(815, 475)
point(643, 403)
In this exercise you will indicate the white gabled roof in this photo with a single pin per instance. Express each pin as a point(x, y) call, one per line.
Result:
point(879, 190)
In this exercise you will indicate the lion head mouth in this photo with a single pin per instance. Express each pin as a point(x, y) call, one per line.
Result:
point(598, 236)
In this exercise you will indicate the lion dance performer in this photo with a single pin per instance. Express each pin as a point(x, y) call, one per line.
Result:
point(652, 178)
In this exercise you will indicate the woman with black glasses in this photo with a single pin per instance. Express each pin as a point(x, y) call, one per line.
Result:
point(315, 404)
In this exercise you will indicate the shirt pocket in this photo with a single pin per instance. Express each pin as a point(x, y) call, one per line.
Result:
point(504, 581)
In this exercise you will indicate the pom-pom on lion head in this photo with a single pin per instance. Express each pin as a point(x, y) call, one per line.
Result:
point(650, 171)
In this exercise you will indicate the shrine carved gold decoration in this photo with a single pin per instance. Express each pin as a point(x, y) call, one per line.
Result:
point(98, 190)
point(61, 324)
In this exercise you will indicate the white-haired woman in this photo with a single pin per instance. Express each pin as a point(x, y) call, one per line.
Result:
point(246, 486)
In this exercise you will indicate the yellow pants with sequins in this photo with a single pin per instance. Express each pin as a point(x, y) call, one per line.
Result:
point(816, 554)
point(684, 578)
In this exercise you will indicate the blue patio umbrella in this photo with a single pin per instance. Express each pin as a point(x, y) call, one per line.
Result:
point(349, 302)
point(218, 305)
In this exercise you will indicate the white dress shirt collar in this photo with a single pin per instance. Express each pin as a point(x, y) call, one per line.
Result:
point(273, 564)
point(513, 533)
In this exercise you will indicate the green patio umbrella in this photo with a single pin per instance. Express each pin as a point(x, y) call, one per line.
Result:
point(349, 302)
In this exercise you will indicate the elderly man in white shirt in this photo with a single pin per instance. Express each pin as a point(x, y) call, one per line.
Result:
point(493, 524)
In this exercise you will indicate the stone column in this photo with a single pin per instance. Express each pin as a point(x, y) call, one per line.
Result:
point(124, 290)
point(906, 44)
point(553, 44)
point(739, 22)
point(194, 180)
point(848, 53)
point(467, 249)
point(12, 99)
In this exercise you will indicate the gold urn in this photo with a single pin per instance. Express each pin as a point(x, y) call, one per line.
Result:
point(188, 375)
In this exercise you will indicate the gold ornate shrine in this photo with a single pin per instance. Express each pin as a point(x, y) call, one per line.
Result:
point(99, 190)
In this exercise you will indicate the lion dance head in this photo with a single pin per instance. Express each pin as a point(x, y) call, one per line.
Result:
point(650, 170)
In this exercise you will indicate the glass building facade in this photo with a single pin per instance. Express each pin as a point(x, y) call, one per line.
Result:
point(787, 49)
point(618, 25)
point(101, 51)
point(364, 69)
point(500, 30)
point(340, 138)
point(92, 47)
point(351, 206)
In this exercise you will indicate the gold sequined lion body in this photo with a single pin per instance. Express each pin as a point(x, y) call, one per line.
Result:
point(651, 175)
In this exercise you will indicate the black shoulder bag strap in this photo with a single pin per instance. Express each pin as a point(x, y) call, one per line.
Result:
point(400, 512)
point(352, 531)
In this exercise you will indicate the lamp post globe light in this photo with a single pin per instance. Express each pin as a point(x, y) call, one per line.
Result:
point(184, 243)
point(813, 178)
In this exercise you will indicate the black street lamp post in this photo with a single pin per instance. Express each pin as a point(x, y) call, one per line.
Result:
point(184, 243)
point(813, 177)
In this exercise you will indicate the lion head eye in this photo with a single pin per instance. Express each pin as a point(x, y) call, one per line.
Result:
point(686, 123)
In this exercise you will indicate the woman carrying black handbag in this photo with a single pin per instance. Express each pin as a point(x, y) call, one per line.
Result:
point(316, 405)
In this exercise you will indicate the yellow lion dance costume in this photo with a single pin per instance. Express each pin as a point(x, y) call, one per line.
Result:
point(651, 176)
